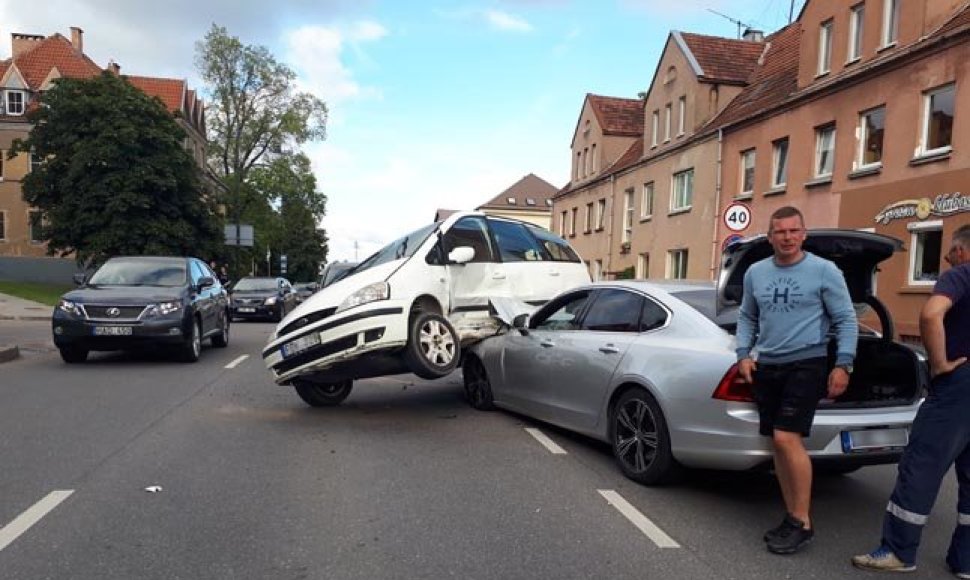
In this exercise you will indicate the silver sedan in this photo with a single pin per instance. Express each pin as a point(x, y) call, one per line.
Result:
point(651, 370)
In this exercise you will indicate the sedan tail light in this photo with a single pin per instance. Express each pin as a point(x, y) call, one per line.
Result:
point(733, 388)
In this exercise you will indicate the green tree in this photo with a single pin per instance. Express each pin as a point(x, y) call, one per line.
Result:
point(115, 178)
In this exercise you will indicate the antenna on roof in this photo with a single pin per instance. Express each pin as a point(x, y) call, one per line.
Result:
point(740, 24)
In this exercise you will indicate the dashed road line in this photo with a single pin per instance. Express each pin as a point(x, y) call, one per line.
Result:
point(545, 441)
point(639, 520)
point(34, 513)
point(236, 362)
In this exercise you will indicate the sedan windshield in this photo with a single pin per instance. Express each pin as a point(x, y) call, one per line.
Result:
point(140, 273)
point(401, 248)
point(255, 285)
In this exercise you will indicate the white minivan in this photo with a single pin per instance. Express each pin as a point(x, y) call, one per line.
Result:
point(411, 306)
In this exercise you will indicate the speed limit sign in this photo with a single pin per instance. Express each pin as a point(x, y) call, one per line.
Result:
point(737, 217)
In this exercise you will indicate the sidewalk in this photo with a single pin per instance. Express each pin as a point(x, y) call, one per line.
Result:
point(13, 308)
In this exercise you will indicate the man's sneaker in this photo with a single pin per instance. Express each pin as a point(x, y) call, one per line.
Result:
point(882, 560)
point(790, 521)
point(962, 575)
point(791, 537)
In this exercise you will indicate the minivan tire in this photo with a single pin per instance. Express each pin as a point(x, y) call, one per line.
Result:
point(322, 394)
point(433, 348)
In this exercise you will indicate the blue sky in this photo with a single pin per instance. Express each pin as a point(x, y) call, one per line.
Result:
point(432, 104)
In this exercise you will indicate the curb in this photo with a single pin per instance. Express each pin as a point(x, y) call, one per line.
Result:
point(8, 353)
point(32, 318)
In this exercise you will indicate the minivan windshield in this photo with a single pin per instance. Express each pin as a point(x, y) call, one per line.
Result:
point(123, 272)
point(401, 248)
point(256, 285)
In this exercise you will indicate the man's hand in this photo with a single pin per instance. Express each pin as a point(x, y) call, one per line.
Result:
point(946, 366)
point(838, 382)
point(746, 367)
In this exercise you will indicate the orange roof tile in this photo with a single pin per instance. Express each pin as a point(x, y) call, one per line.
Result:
point(529, 187)
point(618, 116)
point(723, 60)
point(54, 51)
point(170, 91)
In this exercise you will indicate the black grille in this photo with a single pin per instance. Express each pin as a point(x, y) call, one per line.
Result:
point(124, 312)
point(248, 301)
point(306, 320)
point(317, 352)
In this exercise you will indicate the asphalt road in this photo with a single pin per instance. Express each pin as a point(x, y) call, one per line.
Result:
point(401, 481)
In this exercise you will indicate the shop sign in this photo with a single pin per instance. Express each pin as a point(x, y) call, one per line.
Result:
point(943, 205)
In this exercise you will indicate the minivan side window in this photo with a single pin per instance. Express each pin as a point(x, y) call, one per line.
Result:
point(556, 248)
point(614, 311)
point(471, 232)
point(515, 244)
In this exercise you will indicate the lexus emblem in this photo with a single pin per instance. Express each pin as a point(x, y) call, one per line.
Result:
point(113, 311)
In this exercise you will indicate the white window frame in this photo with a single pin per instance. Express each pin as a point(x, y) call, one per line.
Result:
point(597, 273)
point(747, 156)
point(7, 102)
point(890, 22)
point(628, 209)
point(667, 113)
point(600, 214)
point(925, 132)
point(917, 229)
point(820, 133)
point(646, 203)
point(857, 27)
point(589, 218)
point(863, 136)
point(682, 118)
point(655, 126)
point(682, 200)
point(825, 47)
point(643, 266)
point(677, 264)
point(779, 160)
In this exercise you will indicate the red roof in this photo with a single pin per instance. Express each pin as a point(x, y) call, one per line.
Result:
point(170, 91)
point(618, 116)
point(54, 51)
point(723, 60)
point(531, 187)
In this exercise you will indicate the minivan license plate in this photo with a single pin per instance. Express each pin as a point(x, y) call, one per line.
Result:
point(112, 331)
point(869, 439)
point(301, 344)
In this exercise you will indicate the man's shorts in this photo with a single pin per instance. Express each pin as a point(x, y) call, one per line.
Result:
point(788, 393)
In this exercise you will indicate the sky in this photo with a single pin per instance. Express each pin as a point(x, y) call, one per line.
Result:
point(433, 104)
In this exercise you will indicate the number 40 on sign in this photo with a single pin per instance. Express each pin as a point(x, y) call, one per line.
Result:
point(737, 217)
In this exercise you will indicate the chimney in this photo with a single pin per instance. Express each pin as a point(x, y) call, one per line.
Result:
point(752, 35)
point(21, 43)
point(114, 68)
point(77, 38)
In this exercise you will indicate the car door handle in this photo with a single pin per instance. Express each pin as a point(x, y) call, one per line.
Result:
point(609, 349)
point(498, 276)
point(547, 343)
point(554, 273)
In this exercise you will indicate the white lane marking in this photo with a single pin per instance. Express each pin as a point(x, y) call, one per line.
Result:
point(546, 442)
point(236, 362)
point(638, 519)
point(34, 513)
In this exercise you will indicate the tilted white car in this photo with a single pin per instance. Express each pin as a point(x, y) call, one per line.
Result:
point(413, 305)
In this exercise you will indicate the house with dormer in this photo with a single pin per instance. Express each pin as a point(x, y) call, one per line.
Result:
point(528, 199)
point(36, 62)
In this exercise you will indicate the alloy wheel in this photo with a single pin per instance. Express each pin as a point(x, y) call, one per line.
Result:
point(437, 343)
point(635, 435)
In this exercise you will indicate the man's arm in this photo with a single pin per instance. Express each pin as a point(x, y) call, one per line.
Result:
point(934, 336)
point(747, 329)
point(838, 304)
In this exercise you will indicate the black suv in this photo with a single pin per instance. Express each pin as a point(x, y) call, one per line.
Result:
point(135, 301)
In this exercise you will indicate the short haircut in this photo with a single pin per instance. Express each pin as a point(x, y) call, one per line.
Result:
point(785, 212)
point(962, 236)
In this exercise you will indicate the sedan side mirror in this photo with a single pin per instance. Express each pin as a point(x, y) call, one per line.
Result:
point(521, 323)
point(461, 254)
point(80, 279)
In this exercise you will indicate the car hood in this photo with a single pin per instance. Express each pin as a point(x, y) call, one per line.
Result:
point(856, 253)
point(121, 295)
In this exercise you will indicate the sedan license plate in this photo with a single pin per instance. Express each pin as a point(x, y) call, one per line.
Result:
point(246, 309)
point(301, 344)
point(870, 439)
point(112, 331)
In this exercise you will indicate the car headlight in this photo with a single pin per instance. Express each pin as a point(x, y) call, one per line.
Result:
point(164, 308)
point(270, 301)
point(70, 307)
point(370, 293)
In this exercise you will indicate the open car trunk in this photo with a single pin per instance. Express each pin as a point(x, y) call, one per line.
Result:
point(885, 374)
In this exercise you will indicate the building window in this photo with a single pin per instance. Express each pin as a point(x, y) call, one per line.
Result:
point(856, 26)
point(825, 47)
point(562, 223)
point(779, 170)
point(530, 201)
point(890, 21)
point(600, 214)
point(682, 115)
point(579, 163)
point(35, 223)
point(927, 244)
point(667, 123)
point(871, 128)
point(677, 264)
point(3, 155)
point(938, 120)
point(16, 103)
point(588, 224)
point(646, 207)
point(628, 210)
point(572, 222)
point(747, 171)
point(510, 200)
point(655, 128)
point(682, 192)
point(824, 150)
point(3, 226)
point(643, 266)
point(593, 165)
point(585, 161)
point(597, 273)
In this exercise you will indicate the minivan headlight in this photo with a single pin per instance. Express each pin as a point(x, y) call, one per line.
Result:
point(370, 293)
point(70, 307)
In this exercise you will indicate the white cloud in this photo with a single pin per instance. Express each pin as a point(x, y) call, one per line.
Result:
point(316, 53)
point(506, 21)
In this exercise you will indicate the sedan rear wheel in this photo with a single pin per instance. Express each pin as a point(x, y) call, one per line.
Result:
point(641, 441)
point(478, 390)
point(323, 394)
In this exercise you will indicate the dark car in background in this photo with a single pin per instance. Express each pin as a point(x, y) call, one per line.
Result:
point(335, 271)
point(139, 301)
point(262, 297)
point(305, 290)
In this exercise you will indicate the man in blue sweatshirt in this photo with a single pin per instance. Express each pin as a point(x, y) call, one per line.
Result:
point(791, 301)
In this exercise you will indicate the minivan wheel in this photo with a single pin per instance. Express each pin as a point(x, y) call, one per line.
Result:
point(433, 349)
point(192, 348)
point(73, 354)
point(478, 390)
point(221, 339)
point(322, 394)
point(641, 441)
